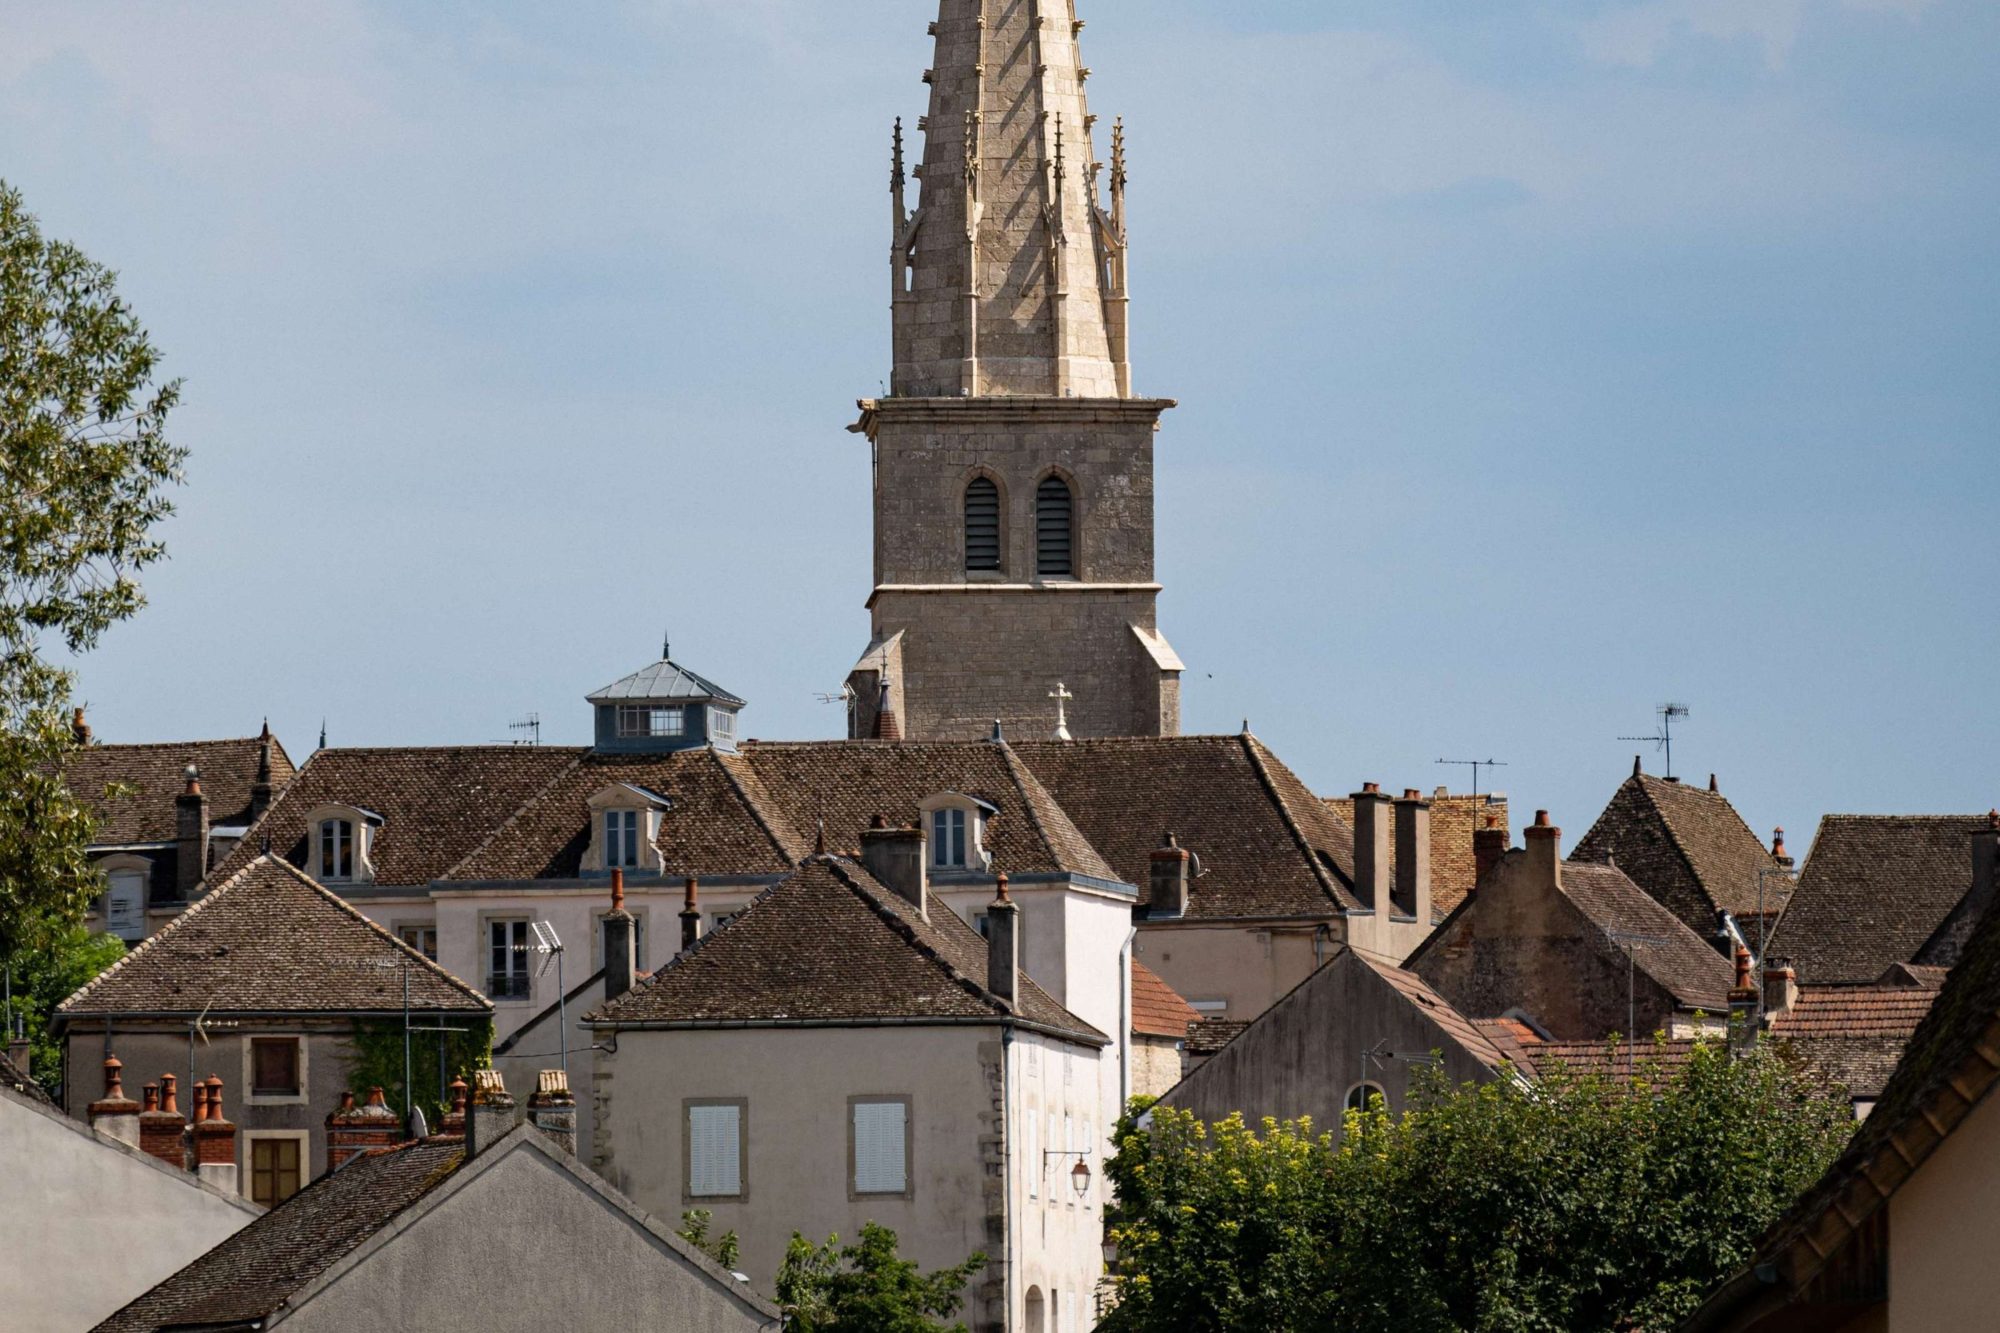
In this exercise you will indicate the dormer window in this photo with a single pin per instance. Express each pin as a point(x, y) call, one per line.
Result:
point(650, 722)
point(956, 828)
point(621, 839)
point(625, 823)
point(340, 844)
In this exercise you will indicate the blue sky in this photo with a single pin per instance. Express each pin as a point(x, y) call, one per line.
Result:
point(1538, 362)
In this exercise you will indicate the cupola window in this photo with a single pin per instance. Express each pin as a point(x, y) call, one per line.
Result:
point(637, 721)
point(982, 526)
point(1054, 512)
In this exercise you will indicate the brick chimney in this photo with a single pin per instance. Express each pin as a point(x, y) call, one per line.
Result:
point(552, 1109)
point(895, 856)
point(691, 915)
point(1544, 842)
point(621, 951)
point(493, 1112)
point(161, 1130)
point(1489, 844)
point(190, 836)
point(20, 1053)
point(1781, 986)
point(352, 1130)
point(1169, 879)
point(114, 1113)
point(1778, 848)
point(1413, 856)
point(1742, 1007)
point(1003, 945)
point(453, 1124)
point(214, 1139)
point(79, 730)
point(1371, 846)
point(260, 790)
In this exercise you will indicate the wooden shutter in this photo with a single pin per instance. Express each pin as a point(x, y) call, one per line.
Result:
point(1053, 514)
point(880, 1141)
point(715, 1159)
point(982, 524)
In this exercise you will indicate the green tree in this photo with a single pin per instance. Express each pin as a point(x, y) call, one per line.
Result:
point(45, 975)
point(868, 1288)
point(84, 468)
point(695, 1226)
point(1581, 1201)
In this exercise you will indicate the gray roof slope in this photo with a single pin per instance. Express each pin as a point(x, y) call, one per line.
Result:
point(1693, 973)
point(20, 1081)
point(663, 680)
point(1686, 846)
point(1875, 889)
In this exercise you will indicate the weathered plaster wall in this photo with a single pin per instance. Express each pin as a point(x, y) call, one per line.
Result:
point(1941, 1229)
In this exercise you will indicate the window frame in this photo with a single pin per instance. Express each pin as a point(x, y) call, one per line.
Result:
point(621, 844)
point(301, 1141)
point(136, 873)
point(855, 1194)
point(1070, 526)
point(302, 1095)
point(998, 568)
point(689, 1106)
point(1370, 1086)
point(341, 870)
point(516, 950)
point(721, 724)
point(650, 722)
point(405, 929)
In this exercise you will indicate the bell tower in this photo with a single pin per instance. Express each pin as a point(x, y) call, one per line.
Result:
point(1013, 462)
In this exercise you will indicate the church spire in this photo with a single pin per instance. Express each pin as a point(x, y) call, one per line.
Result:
point(1008, 275)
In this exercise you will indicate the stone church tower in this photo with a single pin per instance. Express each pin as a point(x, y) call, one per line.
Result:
point(1013, 464)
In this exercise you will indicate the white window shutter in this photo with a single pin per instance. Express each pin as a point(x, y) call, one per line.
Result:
point(1034, 1162)
point(880, 1135)
point(715, 1165)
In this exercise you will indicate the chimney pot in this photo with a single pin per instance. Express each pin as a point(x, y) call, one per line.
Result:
point(353, 1130)
point(115, 1113)
point(78, 728)
point(1637, 767)
point(618, 890)
point(162, 1132)
point(492, 1114)
point(453, 1123)
point(1711, 783)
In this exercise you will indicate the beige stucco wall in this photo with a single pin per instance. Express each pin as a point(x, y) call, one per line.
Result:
point(797, 1083)
point(1942, 1225)
point(1246, 967)
point(87, 1224)
point(523, 1245)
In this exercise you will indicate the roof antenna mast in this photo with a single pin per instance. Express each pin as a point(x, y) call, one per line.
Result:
point(1475, 765)
point(1664, 738)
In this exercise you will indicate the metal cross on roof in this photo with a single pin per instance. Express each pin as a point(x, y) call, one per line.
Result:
point(1062, 696)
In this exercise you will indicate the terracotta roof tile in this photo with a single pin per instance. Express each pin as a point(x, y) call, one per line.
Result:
point(252, 1273)
point(1853, 1034)
point(1659, 1059)
point(829, 944)
point(269, 940)
point(1157, 1008)
point(156, 775)
point(1269, 848)
point(1874, 891)
point(1688, 848)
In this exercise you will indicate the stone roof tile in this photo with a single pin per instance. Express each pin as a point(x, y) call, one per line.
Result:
point(155, 775)
point(1874, 891)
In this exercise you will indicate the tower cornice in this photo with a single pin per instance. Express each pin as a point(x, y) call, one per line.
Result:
point(1040, 411)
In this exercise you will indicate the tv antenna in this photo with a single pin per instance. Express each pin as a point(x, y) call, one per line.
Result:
point(1628, 939)
point(550, 946)
point(845, 696)
point(1475, 765)
point(1663, 739)
point(528, 731)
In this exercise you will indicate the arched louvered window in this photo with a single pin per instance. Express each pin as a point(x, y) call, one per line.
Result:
point(1054, 512)
point(982, 524)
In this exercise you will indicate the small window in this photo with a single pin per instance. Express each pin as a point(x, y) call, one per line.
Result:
point(948, 838)
point(507, 964)
point(982, 525)
point(715, 1151)
point(1054, 512)
point(424, 939)
point(721, 919)
point(336, 849)
point(646, 720)
point(274, 1170)
point(1361, 1094)
point(274, 1067)
point(621, 839)
point(880, 1147)
point(721, 724)
point(125, 906)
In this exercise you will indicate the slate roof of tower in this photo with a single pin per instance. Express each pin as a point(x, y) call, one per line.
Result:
point(1157, 1008)
point(270, 940)
point(1874, 890)
point(252, 1273)
point(1693, 973)
point(157, 774)
point(1854, 1034)
point(1686, 846)
point(663, 680)
point(437, 804)
point(1269, 848)
point(829, 944)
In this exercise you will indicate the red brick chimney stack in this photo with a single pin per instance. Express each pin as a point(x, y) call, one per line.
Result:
point(1489, 844)
point(691, 914)
point(162, 1132)
point(115, 1113)
point(215, 1140)
point(1170, 879)
point(353, 1130)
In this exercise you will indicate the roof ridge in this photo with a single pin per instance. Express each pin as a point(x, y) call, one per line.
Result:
point(534, 799)
point(1252, 747)
point(755, 807)
point(841, 866)
point(381, 931)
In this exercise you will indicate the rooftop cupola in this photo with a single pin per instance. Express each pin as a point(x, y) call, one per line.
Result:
point(664, 707)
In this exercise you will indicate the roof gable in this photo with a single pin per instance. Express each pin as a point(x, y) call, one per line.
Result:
point(270, 940)
point(1875, 889)
point(1672, 955)
point(829, 944)
point(1687, 847)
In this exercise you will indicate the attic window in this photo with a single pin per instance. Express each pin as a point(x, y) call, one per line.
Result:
point(637, 721)
point(948, 837)
point(340, 844)
point(336, 849)
point(621, 839)
point(956, 828)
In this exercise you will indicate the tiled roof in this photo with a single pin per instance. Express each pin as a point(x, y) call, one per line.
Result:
point(251, 1274)
point(1512, 1038)
point(1947, 1069)
point(20, 1082)
point(1688, 848)
point(1853, 1034)
point(1157, 1008)
point(436, 804)
point(829, 944)
point(1453, 821)
point(1874, 891)
point(1212, 1034)
point(1696, 975)
point(1658, 1060)
point(1456, 1025)
point(1269, 848)
point(663, 680)
point(269, 940)
point(156, 775)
